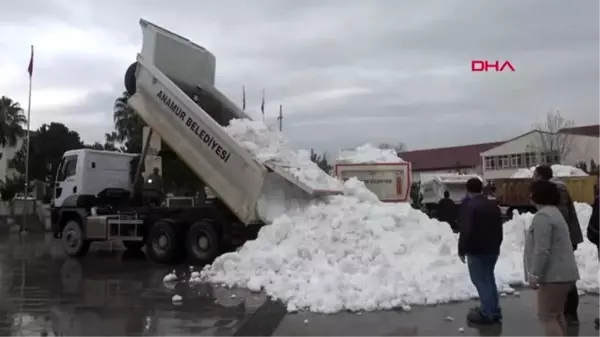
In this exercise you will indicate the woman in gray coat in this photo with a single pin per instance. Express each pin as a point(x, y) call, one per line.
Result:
point(548, 258)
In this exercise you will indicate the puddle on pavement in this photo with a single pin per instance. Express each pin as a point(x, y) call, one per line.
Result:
point(108, 293)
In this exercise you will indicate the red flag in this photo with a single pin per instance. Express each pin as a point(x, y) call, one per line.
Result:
point(30, 68)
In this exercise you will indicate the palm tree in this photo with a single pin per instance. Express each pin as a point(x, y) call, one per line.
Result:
point(128, 125)
point(12, 121)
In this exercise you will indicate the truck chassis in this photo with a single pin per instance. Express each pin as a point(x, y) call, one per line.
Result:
point(169, 234)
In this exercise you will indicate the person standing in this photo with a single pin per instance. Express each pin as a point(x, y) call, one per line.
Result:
point(548, 258)
point(480, 228)
point(593, 231)
point(567, 209)
point(447, 211)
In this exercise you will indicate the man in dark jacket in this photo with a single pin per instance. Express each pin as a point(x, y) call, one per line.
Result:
point(479, 243)
point(592, 229)
point(566, 207)
point(447, 211)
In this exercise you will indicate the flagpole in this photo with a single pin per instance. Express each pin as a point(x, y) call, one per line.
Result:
point(26, 192)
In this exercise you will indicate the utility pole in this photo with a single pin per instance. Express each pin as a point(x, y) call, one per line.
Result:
point(280, 118)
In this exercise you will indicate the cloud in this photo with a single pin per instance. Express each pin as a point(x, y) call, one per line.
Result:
point(345, 71)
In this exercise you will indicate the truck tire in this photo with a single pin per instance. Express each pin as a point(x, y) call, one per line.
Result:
point(133, 246)
point(163, 243)
point(73, 240)
point(130, 80)
point(202, 242)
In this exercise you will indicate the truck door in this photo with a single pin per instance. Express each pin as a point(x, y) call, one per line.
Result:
point(66, 183)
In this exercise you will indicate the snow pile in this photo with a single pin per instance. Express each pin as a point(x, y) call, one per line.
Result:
point(270, 147)
point(356, 253)
point(368, 154)
point(558, 171)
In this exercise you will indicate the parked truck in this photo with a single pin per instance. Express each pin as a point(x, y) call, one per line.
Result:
point(513, 193)
point(172, 88)
point(433, 189)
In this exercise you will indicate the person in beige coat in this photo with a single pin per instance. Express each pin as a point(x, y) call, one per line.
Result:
point(549, 259)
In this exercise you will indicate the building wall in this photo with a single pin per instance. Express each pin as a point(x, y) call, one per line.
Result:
point(7, 154)
point(524, 152)
point(426, 175)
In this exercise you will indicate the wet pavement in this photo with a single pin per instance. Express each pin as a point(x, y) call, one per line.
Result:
point(110, 293)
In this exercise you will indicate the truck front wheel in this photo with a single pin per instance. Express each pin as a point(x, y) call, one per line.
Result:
point(163, 244)
point(73, 240)
point(202, 242)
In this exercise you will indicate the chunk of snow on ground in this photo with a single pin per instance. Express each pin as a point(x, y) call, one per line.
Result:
point(171, 277)
point(269, 147)
point(557, 171)
point(177, 298)
point(368, 154)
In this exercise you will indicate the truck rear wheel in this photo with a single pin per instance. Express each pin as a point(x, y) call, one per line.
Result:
point(163, 244)
point(202, 242)
point(73, 240)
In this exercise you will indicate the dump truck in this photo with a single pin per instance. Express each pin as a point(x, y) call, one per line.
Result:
point(433, 189)
point(513, 193)
point(172, 89)
point(390, 182)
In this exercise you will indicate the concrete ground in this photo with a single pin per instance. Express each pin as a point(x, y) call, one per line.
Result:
point(110, 293)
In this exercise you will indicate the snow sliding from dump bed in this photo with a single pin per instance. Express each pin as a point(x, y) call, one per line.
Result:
point(353, 252)
point(270, 146)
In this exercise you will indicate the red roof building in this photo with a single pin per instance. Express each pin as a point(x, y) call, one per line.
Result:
point(447, 158)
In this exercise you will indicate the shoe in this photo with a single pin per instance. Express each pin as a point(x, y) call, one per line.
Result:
point(572, 320)
point(475, 316)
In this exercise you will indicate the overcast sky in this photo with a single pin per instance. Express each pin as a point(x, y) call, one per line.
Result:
point(346, 72)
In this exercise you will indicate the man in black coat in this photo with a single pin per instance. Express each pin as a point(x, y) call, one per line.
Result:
point(479, 243)
point(567, 209)
point(447, 211)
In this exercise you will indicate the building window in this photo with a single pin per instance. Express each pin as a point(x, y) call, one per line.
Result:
point(488, 163)
point(504, 162)
point(516, 160)
point(530, 159)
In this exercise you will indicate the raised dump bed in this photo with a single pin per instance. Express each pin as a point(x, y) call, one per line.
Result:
point(174, 81)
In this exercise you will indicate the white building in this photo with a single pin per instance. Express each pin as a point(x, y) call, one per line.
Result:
point(527, 150)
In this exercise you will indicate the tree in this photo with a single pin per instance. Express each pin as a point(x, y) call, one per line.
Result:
point(46, 148)
point(176, 173)
point(321, 161)
point(128, 125)
point(110, 143)
point(398, 147)
point(9, 189)
point(12, 121)
point(553, 144)
point(582, 166)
